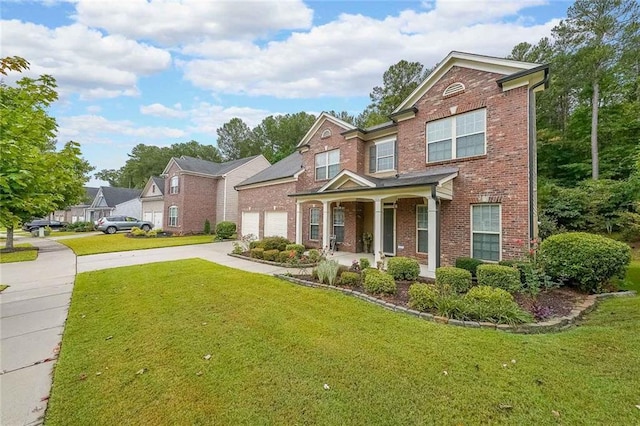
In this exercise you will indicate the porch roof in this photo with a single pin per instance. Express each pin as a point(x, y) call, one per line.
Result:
point(423, 178)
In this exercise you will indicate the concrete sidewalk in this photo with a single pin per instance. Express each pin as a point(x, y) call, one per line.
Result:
point(33, 311)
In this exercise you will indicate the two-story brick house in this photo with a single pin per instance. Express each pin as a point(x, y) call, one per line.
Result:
point(452, 174)
point(199, 190)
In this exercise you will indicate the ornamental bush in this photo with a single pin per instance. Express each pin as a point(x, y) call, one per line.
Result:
point(504, 277)
point(327, 271)
point(257, 253)
point(403, 268)
point(422, 297)
point(285, 256)
point(274, 243)
point(379, 282)
point(271, 255)
point(350, 278)
point(364, 263)
point(314, 256)
point(585, 260)
point(225, 229)
point(485, 303)
point(298, 248)
point(468, 263)
point(458, 279)
point(137, 232)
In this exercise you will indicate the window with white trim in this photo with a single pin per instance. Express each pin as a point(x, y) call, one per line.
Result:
point(422, 229)
point(485, 232)
point(338, 224)
point(173, 216)
point(456, 137)
point(314, 223)
point(382, 156)
point(327, 164)
point(175, 182)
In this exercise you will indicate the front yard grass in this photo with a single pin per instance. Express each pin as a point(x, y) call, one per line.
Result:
point(24, 253)
point(120, 242)
point(136, 338)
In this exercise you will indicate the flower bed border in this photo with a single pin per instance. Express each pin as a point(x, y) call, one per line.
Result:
point(272, 263)
point(549, 326)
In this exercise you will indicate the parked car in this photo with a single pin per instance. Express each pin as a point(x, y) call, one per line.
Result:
point(113, 224)
point(34, 225)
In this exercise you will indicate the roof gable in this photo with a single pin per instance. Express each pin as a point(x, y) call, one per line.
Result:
point(465, 60)
point(148, 188)
point(205, 167)
point(318, 124)
point(347, 179)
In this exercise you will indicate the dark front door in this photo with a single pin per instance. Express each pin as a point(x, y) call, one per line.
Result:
point(389, 231)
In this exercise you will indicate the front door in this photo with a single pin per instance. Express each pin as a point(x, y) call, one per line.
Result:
point(389, 231)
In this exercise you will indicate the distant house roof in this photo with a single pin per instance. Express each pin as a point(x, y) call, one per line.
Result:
point(287, 167)
point(196, 165)
point(114, 196)
point(91, 193)
point(159, 181)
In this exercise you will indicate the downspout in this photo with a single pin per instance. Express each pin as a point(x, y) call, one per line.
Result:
point(533, 156)
point(224, 199)
point(437, 230)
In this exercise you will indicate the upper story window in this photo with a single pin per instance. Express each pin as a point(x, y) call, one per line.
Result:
point(456, 137)
point(175, 181)
point(382, 156)
point(327, 164)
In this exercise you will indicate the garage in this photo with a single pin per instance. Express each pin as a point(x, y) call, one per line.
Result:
point(251, 223)
point(153, 217)
point(275, 224)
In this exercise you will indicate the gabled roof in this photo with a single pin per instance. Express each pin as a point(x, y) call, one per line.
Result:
point(288, 167)
point(91, 193)
point(159, 183)
point(318, 123)
point(467, 60)
point(114, 196)
point(204, 167)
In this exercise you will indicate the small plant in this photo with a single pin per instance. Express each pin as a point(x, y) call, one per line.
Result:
point(403, 268)
point(504, 277)
point(270, 255)
point(355, 266)
point(207, 227)
point(457, 279)
point(328, 271)
point(314, 256)
point(257, 253)
point(468, 263)
point(137, 232)
point(153, 233)
point(225, 229)
point(364, 263)
point(367, 239)
point(379, 283)
point(298, 248)
point(484, 303)
point(274, 243)
point(381, 264)
point(285, 256)
point(422, 297)
point(237, 248)
point(350, 278)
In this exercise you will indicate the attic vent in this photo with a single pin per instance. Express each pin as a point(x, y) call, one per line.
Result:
point(326, 133)
point(453, 89)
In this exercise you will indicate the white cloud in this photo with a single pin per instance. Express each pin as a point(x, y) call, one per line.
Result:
point(83, 60)
point(159, 110)
point(206, 117)
point(94, 109)
point(173, 22)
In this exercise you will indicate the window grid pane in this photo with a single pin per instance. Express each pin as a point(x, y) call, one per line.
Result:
point(423, 241)
point(486, 218)
point(439, 130)
point(486, 246)
point(423, 217)
point(467, 146)
point(314, 223)
point(440, 150)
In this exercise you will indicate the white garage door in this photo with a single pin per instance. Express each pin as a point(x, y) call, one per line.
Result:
point(251, 224)
point(147, 216)
point(157, 220)
point(275, 224)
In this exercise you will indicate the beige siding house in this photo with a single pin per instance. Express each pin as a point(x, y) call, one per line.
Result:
point(152, 199)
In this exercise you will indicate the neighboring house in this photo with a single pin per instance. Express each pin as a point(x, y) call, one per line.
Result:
point(152, 199)
point(111, 201)
point(198, 190)
point(452, 174)
point(78, 212)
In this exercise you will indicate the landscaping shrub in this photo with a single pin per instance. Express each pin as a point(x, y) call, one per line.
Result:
point(504, 277)
point(257, 253)
point(314, 256)
point(586, 260)
point(422, 297)
point(379, 282)
point(225, 229)
point(284, 256)
point(328, 271)
point(364, 263)
point(137, 232)
point(342, 269)
point(271, 255)
point(451, 306)
point(207, 227)
point(350, 278)
point(458, 279)
point(298, 248)
point(255, 244)
point(468, 263)
point(403, 268)
point(274, 243)
point(485, 303)
point(153, 233)
point(79, 227)
point(489, 294)
point(237, 248)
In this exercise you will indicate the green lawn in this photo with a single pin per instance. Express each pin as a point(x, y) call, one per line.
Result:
point(633, 272)
point(25, 253)
point(273, 346)
point(120, 242)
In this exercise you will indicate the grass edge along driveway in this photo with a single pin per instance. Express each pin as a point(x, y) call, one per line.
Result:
point(189, 341)
point(26, 252)
point(120, 242)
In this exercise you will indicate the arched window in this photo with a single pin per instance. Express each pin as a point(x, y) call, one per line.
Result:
point(326, 133)
point(453, 89)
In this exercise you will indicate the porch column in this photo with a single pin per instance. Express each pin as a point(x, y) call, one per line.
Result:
point(432, 236)
point(377, 229)
point(298, 222)
point(325, 224)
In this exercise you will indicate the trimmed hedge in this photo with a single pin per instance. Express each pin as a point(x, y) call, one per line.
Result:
point(585, 260)
point(274, 243)
point(423, 297)
point(488, 294)
point(484, 303)
point(469, 263)
point(257, 252)
point(298, 248)
point(225, 229)
point(504, 277)
point(379, 282)
point(349, 278)
point(457, 279)
point(364, 263)
point(314, 256)
point(271, 255)
point(403, 268)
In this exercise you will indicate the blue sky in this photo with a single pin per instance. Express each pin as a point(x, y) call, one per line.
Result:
point(161, 72)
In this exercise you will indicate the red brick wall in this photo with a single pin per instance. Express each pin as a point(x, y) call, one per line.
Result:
point(269, 198)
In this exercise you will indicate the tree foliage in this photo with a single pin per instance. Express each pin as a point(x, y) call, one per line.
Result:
point(35, 178)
